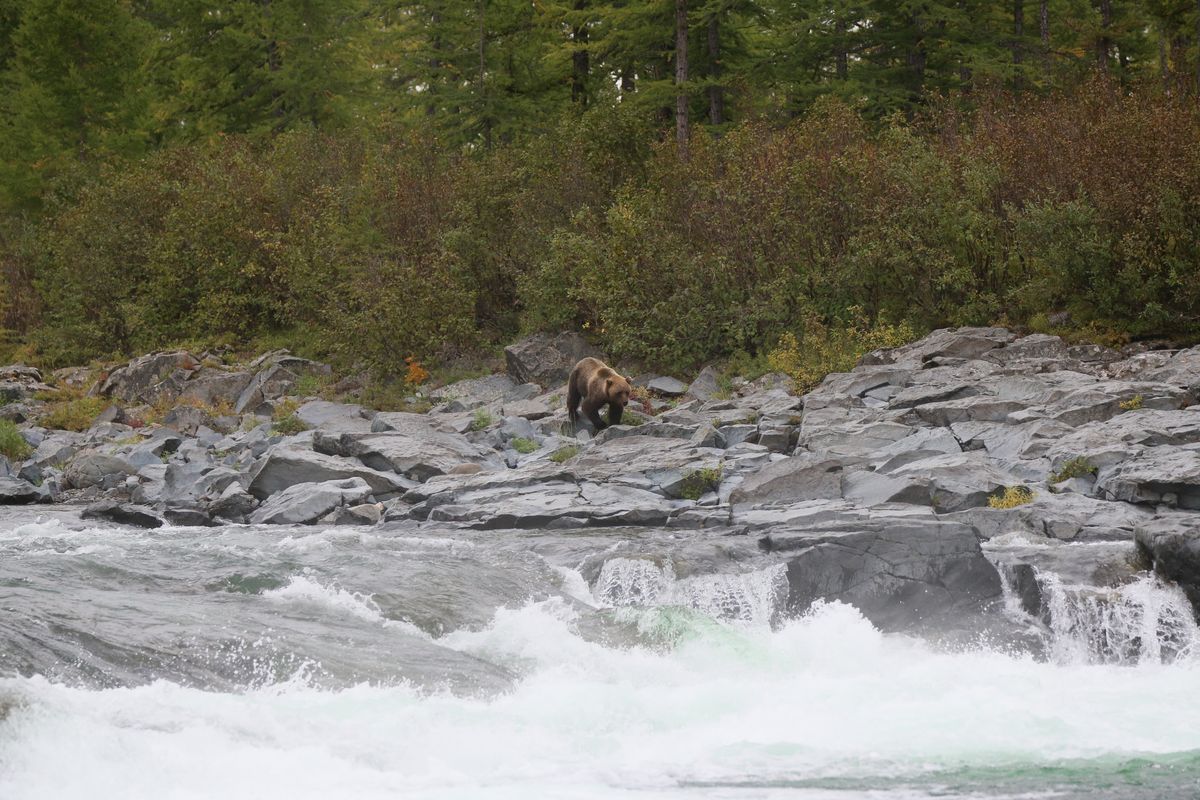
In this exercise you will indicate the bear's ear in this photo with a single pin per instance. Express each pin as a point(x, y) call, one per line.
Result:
point(608, 383)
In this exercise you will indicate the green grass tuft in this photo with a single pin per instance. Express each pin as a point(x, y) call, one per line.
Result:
point(12, 443)
point(564, 453)
point(73, 415)
point(524, 446)
point(700, 482)
point(1132, 404)
point(1077, 467)
point(1013, 496)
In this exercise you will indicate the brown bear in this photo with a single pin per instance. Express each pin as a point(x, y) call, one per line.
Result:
point(595, 384)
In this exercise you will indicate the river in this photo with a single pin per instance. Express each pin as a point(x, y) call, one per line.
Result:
point(418, 662)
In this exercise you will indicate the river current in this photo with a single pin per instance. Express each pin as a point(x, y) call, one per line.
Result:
point(417, 662)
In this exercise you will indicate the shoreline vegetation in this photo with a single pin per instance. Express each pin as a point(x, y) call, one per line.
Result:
point(759, 184)
point(1071, 215)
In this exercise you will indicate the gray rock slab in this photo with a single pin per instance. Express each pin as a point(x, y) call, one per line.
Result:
point(901, 574)
point(668, 387)
point(546, 359)
point(14, 491)
point(123, 514)
point(282, 467)
point(417, 456)
point(96, 469)
point(307, 502)
point(1173, 547)
point(334, 417)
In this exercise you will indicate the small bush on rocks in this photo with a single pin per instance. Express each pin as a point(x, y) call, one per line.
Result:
point(1132, 404)
point(288, 426)
point(564, 453)
point(524, 446)
point(482, 420)
point(73, 415)
point(1077, 467)
point(1012, 497)
point(12, 443)
point(822, 349)
point(699, 482)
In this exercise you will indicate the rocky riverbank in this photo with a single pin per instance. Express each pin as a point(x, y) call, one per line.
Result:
point(892, 487)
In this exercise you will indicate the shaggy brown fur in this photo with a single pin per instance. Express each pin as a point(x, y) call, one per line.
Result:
point(596, 384)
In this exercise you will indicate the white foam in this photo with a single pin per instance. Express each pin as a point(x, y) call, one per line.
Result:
point(302, 591)
point(748, 597)
point(823, 696)
point(1142, 621)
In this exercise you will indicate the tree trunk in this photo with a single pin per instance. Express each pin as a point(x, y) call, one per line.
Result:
point(1164, 66)
point(1104, 44)
point(484, 117)
point(840, 55)
point(1018, 29)
point(916, 57)
point(627, 85)
point(1198, 50)
point(435, 64)
point(682, 132)
point(579, 60)
point(1044, 31)
point(716, 92)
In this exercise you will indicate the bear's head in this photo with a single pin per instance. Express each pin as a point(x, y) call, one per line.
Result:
point(619, 390)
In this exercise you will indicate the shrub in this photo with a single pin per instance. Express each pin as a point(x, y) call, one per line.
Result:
point(414, 374)
point(1077, 467)
point(1012, 497)
point(73, 415)
point(311, 385)
point(1132, 404)
point(524, 446)
point(699, 482)
point(823, 349)
point(288, 425)
point(284, 419)
point(12, 443)
point(564, 453)
point(482, 420)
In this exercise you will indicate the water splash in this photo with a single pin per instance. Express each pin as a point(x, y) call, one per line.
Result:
point(1145, 621)
point(748, 597)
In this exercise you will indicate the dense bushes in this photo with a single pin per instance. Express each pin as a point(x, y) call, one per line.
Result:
point(383, 247)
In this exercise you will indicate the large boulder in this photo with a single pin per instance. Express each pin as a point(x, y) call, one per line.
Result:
point(308, 502)
point(1168, 475)
point(14, 491)
point(705, 385)
point(418, 454)
point(901, 574)
point(284, 466)
point(475, 392)
point(151, 378)
point(794, 480)
point(19, 382)
point(1173, 547)
point(546, 359)
point(334, 417)
point(96, 469)
point(964, 343)
point(549, 505)
point(123, 514)
point(215, 387)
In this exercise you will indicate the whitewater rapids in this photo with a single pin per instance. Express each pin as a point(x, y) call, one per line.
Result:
point(305, 664)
